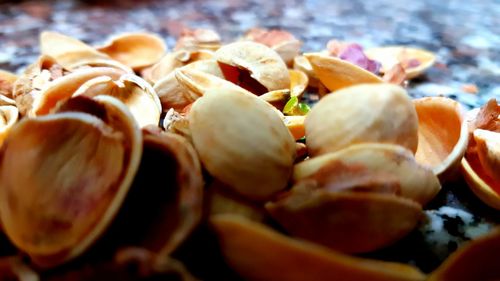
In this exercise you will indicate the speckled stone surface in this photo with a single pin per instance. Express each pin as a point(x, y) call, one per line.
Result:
point(464, 34)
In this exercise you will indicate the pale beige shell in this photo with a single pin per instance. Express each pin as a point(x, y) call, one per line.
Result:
point(362, 113)
point(198, 39)
point(442, 135)
point(257, 252)
point(133, 91)
point(298, 82)
point(367, 160)
point(263, 63)
point(7, 80)
point(242, 142)
point(488, 151)
point(8, 117)
point(171, 92)
point(136, 50)
point(302, 64)
point(50, 159)
point(174, 60)
point(277, 98)
point(72, 53)
point(392, 55)
point(336, 73)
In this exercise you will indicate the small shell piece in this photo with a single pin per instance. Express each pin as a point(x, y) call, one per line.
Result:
point(295, 123)
point(257, 252)
point(132, 90)
point(50, 159)
point(478, 260)
point(302, 64)
point(442, 135)
point(262, 63)
point(7, 80)
point(242, 142)
point(362, 113)
point(8, 116)
point(298, 82)
point(488, 151)
point(337, 171)
point(136, 50)
point(283, 42)
point(336, 73)
point(414, 61)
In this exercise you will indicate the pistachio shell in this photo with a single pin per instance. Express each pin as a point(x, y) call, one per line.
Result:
point(302, 64)
point(171, 92)
point(258, 253)
point(363, 113)
point(477, 260)
point(242, 142)
point(488, 151)
point(352, 222)
point(281, 41)
point(8, 117)
point(295, 123)
point(298, 82)
point(198, 39)
point(50, 159)
point(13, 268)
point(263, 64)
point(277, 98)
point(63, 88)
point(442, 135)
point(486, 188)
point(391, 55)
point(7, 80)
point(133, 91)
point(415, 181)
point(136, 50)
point(336, 73)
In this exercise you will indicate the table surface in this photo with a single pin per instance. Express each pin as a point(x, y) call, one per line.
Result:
point(465, 35)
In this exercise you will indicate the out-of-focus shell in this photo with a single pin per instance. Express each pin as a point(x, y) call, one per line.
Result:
point(174, 60)
point(242, 142)
point(72, 53)
point(261, 62)
point(485, 187)
point(477, 260)
point(177, 123)
point(302, 64)
point(298, 82)
point(295, 123)
point(8, 116)
point(198, 39)
point(392, 55)
point(363, 113)
point(133, 91)
point(50, 159)
point(171, 91)
point(7, 80)
point(336, 73)
point(283, 42)
point(351, 222)
point(488, 151)
point(62, 88)
point(442, 135)
point(363, 162)
point(277, 98)
point(13, 268)
point(257, 252)
point(136, 50)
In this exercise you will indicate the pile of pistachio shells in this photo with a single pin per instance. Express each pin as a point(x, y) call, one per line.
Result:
point(129, 161)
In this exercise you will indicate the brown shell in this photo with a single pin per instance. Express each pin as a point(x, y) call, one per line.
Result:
point(257, 252)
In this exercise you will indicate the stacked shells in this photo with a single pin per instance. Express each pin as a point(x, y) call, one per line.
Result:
point(126, 154)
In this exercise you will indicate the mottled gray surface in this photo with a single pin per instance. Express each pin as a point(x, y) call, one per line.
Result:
point(464, 34)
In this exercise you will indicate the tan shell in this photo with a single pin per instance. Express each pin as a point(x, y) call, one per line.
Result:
point(477, 260)
point(281, 41)
point(52, 158)
point(62, 88)
point(7, 80)
point(171, 92)
point(442, 135)
point(198, 39)
point(277, 98)
point(72, 53)
point(351, 222)
point(136, 50)
point(295, 123)
point(177, 123)
point(488, 151)
point(362, 113)
point(486, 188)
point(336, 73)
point(257, 252)
point(339, 170)
point(8, 117)
point(174, 60)
point(302, 64)
point(298, 82)
point(392, 55)
point(242, 142)
point(263, 64)
point(133, 91)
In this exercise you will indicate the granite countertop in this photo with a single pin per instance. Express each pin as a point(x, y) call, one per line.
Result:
point(464, 35)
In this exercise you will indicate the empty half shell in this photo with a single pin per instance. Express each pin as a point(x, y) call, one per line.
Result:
point(7, 80)
point(256, 252)
point(242, 142)
point(46, 160)
point(336, 73)
point(302, 64)
point(442, 135)
point(414, 61)
point(370, 167)
point(298, 82)
point(132, 90)
point(363, 113)
point(283, 42)
point(253, 66)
